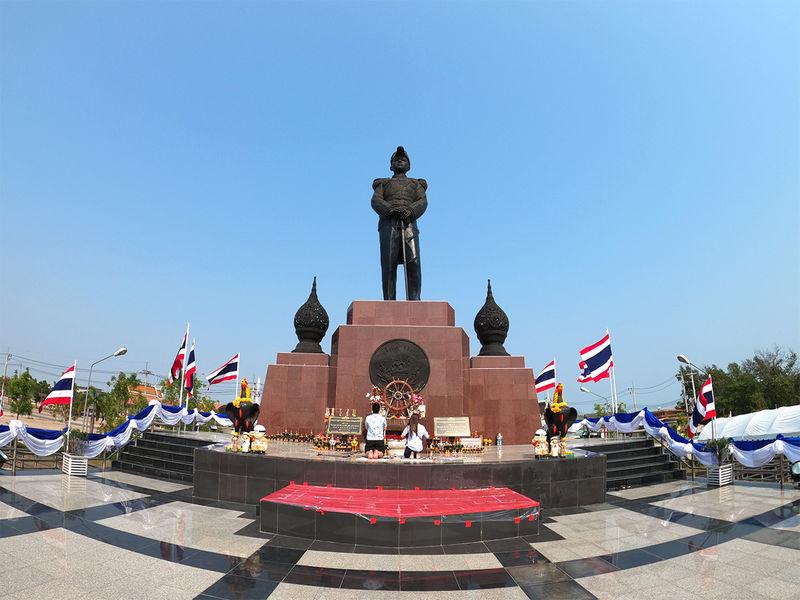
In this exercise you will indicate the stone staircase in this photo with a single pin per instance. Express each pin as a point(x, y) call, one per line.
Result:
point(636, 462)
point(160, 454)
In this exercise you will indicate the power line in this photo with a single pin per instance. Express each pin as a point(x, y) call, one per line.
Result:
point(32, 362)
point(658, 391)
point(670, 379)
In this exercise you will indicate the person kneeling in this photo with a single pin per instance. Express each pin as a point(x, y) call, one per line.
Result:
point(375, 427)
point(415, 435)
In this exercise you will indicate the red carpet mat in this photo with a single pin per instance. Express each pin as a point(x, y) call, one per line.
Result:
point(401, 503)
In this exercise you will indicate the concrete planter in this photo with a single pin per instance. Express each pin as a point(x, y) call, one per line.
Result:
point(721, 475)
point(75, 465)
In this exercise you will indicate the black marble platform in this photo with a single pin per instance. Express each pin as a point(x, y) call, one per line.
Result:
point(554, 483)
point(284, 519)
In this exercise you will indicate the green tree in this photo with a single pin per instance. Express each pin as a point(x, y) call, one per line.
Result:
point(171, 391)
point(113, 406)
point(25, 392)
point(770, 379)
point(200, 401)
point(601, 409)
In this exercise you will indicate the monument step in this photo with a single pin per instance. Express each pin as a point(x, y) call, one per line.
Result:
point(164, 455)
point(148, 449)
point(182, 462)
point(613, 455)
point(636, 469)
point(621, 463)
point(175, 438)
point(613, 483)
point(623, 445)
point(166, 446)
point(132, 467)
point(632, 463)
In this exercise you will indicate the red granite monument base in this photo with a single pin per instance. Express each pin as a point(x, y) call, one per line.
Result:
point(496, 392)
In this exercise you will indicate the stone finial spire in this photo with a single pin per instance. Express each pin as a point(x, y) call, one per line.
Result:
point(310, 323)
point(491, 325)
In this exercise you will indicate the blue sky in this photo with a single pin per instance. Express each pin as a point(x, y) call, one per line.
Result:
point(630, 165)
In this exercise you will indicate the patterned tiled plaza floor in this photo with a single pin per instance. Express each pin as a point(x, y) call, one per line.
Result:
point(117, 535)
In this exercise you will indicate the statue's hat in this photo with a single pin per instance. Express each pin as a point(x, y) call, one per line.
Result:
point(400, 152)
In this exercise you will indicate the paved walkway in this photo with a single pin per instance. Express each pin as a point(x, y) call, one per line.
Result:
point(117, 535)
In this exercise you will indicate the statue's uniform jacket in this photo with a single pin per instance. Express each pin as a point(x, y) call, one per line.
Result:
point(392, 195)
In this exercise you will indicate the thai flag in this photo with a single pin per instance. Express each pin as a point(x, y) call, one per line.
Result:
point(191, 369)
point(704, 409)
point(228, 371)
point(596, 360)
point(547, 378)
point(62, 390)
point(177, 364)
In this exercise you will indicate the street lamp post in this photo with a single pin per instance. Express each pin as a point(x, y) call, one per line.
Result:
point(119, 352)
point(586, 390)
point(682, 359)
point(692, 368)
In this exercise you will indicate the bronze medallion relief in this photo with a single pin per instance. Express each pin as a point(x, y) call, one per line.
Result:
point(399, 359)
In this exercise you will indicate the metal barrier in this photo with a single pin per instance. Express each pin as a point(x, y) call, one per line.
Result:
point(22, 458)
point(687, 465)
point(775, 470)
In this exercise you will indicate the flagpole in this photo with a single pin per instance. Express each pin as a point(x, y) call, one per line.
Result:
point(183, 366)
point(236, 381)
point(71, 399)
point(613, 380)
point(714, 420)
point(3, 388)
point(183, 370)
point(193, 376)
point(72, 394)
point(614, 390)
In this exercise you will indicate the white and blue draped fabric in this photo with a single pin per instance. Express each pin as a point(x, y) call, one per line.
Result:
point(44, 442)
point(754, 453)
point(750, 453)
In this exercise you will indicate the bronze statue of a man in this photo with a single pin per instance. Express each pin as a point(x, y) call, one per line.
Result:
point(399, 202)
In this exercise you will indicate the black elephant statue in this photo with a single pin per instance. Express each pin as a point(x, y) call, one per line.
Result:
point(558, 416)
point(243, 415)
point(559, 422)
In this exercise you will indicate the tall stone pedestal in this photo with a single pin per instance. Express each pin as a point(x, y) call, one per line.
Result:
point(496, 392)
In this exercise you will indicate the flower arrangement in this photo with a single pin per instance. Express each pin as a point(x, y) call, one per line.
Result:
point(328, 442)
point(558, 402)
point(291, 436)
point(445, 447)
point(375, 395)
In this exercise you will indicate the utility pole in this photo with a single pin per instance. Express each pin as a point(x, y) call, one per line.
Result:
point(683, 393)
point(146, 373)
point(258, 391)
point(694, 390)
point(633, 393)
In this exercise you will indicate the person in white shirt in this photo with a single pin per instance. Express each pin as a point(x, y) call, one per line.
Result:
point(375, 427)
point(415, 435)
